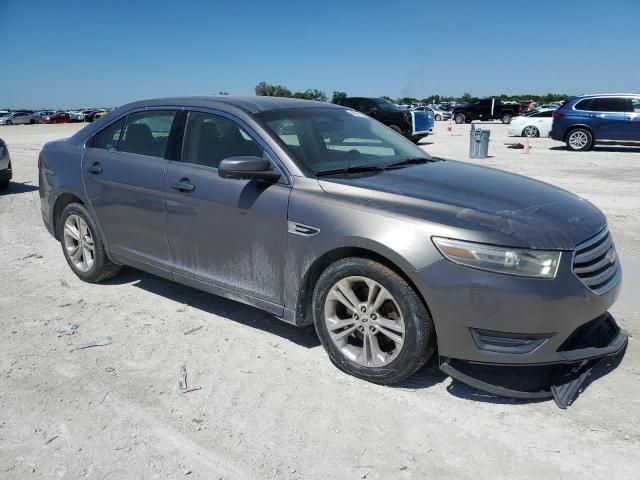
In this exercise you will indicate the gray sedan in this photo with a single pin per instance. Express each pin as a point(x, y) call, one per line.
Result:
point(323, 216)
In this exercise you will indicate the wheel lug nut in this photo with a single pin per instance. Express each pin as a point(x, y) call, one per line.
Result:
point(374, 317)
point(363, 309)
point(355, 316)
point(361, 328)
point(372, 328)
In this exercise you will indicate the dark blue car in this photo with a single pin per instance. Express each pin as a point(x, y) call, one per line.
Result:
point(586, 120)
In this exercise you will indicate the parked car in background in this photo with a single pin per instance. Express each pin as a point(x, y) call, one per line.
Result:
point(18, 118)
point(41, 114)
point(98, 114)
point(76, 116)
point(414, 125)
point(340, 223)
point(536, 123)
point(88, 115)
point(436, 113)
point(5, 165)
point(584, 121)
point(58, 117)
point(487, 109)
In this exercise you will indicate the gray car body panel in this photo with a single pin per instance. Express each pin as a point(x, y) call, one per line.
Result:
point(265, 239)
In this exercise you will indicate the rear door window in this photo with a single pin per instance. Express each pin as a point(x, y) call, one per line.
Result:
point(109, 137)
point(609, 104)
point(147, 133)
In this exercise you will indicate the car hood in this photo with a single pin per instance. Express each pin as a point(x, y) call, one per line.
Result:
point(480, 203)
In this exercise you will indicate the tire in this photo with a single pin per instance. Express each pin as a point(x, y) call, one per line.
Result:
point(404, 307)
point(4, 185)
point(506, 118)
point(92, 270)
point(530, 131)
point(579, 140)
point(9, 122)
point(459, 118)
point(32, 121)
point(438, 118)
point(396, 129)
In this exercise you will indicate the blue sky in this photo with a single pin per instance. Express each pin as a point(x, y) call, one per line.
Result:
point(102, 53)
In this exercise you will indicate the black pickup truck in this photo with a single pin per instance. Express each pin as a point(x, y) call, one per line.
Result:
point(487, 109)
point(414, 125)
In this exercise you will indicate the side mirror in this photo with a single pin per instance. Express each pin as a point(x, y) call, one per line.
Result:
point(248, 168)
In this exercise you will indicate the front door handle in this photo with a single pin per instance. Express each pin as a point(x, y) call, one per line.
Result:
point(94, 168)
point(183, 185)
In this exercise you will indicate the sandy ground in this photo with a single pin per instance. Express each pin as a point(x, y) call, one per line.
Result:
point(271, 403)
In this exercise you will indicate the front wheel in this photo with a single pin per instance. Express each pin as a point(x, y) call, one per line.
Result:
point(506, 118)
point(372, 324)
point(579, 140)
point(459, 118)
point(9, 122)
point(530, 131)
point(83, 247)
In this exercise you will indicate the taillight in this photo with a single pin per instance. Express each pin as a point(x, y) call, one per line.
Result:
point(40, 160)
point(557, 115)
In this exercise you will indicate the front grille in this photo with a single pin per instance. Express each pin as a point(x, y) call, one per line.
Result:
point(597, 333)
point(595, 263)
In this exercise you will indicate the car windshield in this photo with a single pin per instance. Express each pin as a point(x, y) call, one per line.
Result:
point(327, 139)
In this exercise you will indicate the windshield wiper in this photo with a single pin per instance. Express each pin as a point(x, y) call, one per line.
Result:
point(352, 169)
point(408, 161)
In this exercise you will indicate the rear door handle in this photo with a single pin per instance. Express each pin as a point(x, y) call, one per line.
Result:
point(183, 185)
point(94, 168)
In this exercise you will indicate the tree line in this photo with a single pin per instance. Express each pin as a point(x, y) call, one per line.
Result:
point(268, 90)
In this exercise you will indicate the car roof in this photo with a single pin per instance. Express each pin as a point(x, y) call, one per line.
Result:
point(593, 95)
point(248, 104)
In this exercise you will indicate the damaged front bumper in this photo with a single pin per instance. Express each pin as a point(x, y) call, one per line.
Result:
point(597, 340)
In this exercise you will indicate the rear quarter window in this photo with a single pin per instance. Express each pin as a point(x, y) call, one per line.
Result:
point(584, 105)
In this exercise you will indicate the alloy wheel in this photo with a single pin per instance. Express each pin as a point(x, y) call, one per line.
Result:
point(530, 131)
point(364, 321)
point(79, 243)
point(578, 140)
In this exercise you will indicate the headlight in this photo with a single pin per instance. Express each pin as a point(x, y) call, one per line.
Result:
point(513, 261)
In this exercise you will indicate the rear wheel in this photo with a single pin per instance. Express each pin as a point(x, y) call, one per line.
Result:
point(83, 247)
point(9, 122)
point(459, 118)
point(530, 131)
point(371, 322)
point(506, 118)
point(438, 118)
point(579, 140)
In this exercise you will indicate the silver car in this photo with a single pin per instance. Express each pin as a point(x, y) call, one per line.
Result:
point(17, 118)
point(323, 216)
point(5, 165)
point(436, 114)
